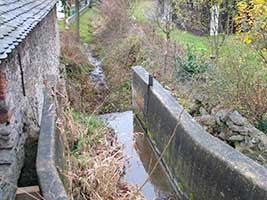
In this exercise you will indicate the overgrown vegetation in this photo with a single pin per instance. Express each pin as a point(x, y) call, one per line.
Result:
point(95, 160)
point(125, 34)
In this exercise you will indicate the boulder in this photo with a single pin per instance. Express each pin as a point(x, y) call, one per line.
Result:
point(236, 138)
point(237, 119)
point(207, 120)
point(221, 116)
point(242, 130)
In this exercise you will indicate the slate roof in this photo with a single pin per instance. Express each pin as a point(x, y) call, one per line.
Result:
point(17, 19)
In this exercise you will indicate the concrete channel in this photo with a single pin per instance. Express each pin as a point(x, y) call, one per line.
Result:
point(202, 166)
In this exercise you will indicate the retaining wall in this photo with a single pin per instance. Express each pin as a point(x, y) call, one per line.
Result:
point(50, 156)
point(202, 166)
point(71, 19)
point(25, 71)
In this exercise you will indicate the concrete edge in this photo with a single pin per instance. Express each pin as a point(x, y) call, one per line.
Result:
point(71, 19)
point(51, 185)
point(249, 170)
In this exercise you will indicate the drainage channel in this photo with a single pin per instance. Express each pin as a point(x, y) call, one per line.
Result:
point(141, 157)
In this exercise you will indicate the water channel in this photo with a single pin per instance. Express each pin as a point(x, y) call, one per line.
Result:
point(136, 145)
point(141, 156)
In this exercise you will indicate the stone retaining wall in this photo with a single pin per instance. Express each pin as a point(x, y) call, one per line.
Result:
point(24, 74)
point(202, 166)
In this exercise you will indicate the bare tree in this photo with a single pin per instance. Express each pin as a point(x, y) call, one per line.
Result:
point(165, 23)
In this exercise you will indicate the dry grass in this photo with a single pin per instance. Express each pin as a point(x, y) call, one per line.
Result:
point(95, 160)
point(72, 52)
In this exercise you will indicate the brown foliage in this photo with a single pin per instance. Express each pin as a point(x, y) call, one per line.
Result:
point(71, 51)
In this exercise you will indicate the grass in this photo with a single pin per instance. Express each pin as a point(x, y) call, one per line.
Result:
point(85, 25)
point(202, 44)
point(61, 25)
point(95, 160)
point(140, 8)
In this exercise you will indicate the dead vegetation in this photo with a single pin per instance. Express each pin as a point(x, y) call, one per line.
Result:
point(95, 160)
point(83, 95)
point(94, 157)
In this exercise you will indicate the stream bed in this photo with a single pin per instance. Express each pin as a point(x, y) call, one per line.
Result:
point(141, 156)
point(97, 74)
point(136, 145)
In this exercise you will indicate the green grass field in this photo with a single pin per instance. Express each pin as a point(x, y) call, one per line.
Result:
point(85, 26)
point(231, 45)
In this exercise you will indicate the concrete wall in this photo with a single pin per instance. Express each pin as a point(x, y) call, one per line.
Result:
point(50, 156)
point(83, 9)
point(26, 71)
point(202, 166)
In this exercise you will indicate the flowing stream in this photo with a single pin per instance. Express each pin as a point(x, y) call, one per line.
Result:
point(97, 74)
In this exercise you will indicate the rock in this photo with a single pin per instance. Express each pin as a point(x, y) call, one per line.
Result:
point(221, 116)
point(263, 142)
point(199, 98)
point(255, 140)
point(242, 130)
point(193, 108)
point(222, 136)
point(203, 111)
point(207, 120)
point(8, 137)
point(229, 124)
point(252, 131)
point(236, 138)
point(237, 119)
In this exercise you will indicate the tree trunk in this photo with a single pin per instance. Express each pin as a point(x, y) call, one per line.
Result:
point(214, 23)
point(77, 20)
point(168, 39)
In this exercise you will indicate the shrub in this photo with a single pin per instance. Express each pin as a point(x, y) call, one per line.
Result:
point(239, 83)
point(190, 64)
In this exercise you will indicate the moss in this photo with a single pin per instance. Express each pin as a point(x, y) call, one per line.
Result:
point(181, 187)
point(191, 196)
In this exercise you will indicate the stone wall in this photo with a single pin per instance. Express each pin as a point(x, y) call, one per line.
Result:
point(202, 166)
point(25, 73)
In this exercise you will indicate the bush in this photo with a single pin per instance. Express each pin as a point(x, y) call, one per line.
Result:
point(238, 83)
point(190, 64)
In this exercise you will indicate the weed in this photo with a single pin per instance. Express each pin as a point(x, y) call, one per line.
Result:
point(189, 65)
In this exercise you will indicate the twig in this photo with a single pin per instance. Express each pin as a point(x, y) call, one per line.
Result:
point(163, 152)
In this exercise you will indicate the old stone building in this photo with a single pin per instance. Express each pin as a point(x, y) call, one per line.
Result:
point(29, 54)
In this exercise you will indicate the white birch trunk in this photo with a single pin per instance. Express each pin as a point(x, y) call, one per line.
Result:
point(214, 22)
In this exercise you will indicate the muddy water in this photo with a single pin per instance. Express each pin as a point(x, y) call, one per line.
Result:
point(141, 156)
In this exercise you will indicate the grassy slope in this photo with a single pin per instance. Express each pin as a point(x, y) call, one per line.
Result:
point(85, 28)
point(232, 44)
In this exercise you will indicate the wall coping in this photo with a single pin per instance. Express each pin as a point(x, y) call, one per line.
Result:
point(49, 179)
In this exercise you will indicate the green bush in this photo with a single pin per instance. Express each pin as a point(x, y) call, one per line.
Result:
point(262, 125)
point(186, 66)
